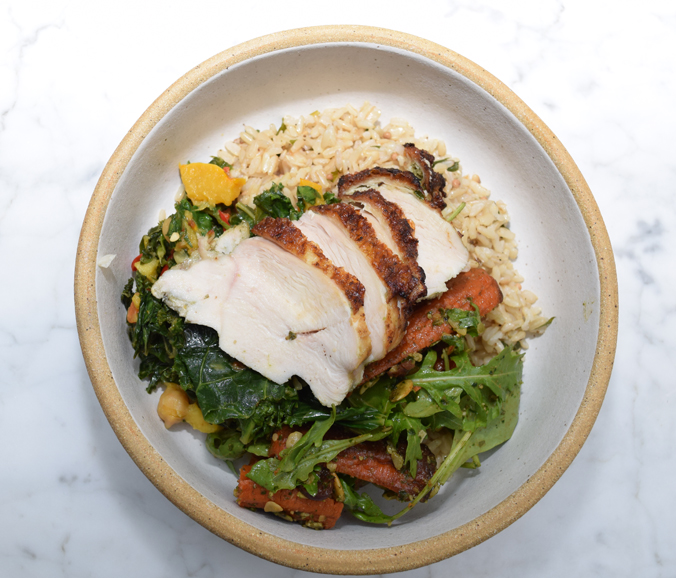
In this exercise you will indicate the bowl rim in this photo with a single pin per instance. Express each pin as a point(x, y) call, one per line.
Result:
point(205, 512)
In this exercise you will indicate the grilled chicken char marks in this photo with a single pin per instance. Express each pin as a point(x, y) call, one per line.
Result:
point(375, 178)
point(401, 279)
point(348, 247)
point(394, 224)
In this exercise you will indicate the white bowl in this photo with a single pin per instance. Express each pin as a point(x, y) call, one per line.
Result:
point(565, 256)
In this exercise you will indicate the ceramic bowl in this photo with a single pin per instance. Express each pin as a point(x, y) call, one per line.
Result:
point(565, 256)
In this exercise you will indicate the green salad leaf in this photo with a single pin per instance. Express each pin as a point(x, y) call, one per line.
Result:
point(225, 390)
point(295, 464)
point(361, 506)
point(471, 394)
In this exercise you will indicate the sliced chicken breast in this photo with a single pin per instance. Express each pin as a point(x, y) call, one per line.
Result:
point(350, 242)
point(392, 228)
point(280, 313)
point(441, 253)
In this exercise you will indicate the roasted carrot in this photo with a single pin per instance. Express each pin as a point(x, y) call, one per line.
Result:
point(371, 462)
point(475, 286)
point(290, 504)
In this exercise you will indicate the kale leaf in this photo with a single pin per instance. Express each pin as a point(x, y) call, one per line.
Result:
point(225, 390)
point(156, 337)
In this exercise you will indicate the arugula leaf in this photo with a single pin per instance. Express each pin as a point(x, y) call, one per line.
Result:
point(361, 506)
point(412, 426)
point(298, 462)
point(498, 430)
point(472, 394)
point(330, 199)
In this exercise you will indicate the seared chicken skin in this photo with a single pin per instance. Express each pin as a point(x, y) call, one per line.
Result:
point(441, 253)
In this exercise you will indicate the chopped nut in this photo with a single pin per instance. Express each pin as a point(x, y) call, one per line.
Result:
point(402, 389)
point(272, 507)
point(338, 492)
point(293, 439)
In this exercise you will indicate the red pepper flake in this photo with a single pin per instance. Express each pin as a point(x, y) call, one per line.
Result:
point(164, 269)
point(225, 217)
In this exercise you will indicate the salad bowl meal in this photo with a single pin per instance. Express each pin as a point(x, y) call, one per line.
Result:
point(354, 317)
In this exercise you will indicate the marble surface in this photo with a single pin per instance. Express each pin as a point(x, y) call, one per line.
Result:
point(74, 76)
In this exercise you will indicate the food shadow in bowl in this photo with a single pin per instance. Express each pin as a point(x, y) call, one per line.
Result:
point(565, 258)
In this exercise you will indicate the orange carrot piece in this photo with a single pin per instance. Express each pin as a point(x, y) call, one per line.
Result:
point(422, 332)
point(292, 503)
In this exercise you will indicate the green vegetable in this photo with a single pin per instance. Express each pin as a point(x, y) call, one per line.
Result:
point(361, 506)
point(307, 196)
point(454, 167)
point(156, 337)
point(218, 161)
point(224, 391)
point(225, 444)
point(455, 213)
point(299, 461)
point(473, 395)
point(330, 199)
point(464, 322)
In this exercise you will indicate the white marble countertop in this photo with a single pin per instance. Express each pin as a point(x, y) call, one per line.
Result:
point(75, 76)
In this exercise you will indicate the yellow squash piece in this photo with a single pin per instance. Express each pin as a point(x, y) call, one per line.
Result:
point(209, 183)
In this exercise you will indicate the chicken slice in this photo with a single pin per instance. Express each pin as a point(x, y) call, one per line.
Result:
point(441, 253)
point(392, 228)
point(280, 313)
point(350, 242)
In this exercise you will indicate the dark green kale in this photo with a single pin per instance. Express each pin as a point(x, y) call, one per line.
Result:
point(156, 337)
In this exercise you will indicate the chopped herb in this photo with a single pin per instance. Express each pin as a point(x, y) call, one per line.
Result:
point(456, 212)
point(218, 161)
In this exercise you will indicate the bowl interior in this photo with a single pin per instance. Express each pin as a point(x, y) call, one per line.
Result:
point(556, 256)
